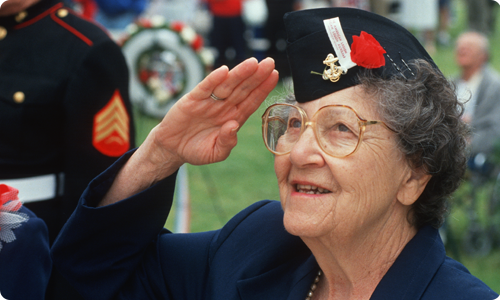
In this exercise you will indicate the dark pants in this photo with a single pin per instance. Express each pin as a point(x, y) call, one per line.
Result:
point(227, 32)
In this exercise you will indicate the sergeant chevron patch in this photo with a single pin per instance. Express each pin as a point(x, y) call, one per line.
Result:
point(111, 128)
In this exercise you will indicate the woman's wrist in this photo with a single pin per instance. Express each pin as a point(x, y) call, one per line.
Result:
point(147, 166)
point(155, 161)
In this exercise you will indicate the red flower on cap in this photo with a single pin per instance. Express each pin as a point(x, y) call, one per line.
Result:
point(366, 51)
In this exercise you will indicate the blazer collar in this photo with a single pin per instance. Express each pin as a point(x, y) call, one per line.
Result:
point(414, 268)
point(289, 281)
point(407, 278)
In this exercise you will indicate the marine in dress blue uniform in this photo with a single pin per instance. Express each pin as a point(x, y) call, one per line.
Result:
point(65, 114)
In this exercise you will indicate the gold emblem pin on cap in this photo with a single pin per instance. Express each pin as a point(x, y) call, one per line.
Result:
point(332, 71)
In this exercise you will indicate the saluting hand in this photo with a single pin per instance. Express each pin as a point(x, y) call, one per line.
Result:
point(198, 129)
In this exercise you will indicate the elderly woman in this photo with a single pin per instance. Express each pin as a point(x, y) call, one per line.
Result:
point(366, 153)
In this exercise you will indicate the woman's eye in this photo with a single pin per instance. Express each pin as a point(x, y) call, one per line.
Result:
point(343, 128)
point(294, 123)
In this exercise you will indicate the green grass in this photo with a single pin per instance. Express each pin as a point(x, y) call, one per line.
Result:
point(219, 191)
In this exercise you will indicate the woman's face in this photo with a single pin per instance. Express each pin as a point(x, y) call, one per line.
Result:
point(323, 195)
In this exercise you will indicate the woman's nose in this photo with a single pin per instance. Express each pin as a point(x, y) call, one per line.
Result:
point(306, 151)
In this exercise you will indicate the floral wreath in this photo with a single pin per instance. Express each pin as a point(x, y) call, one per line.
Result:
point(187, 36)
point(10, 218)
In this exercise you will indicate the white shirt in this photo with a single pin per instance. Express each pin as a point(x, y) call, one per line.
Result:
point(467, 93)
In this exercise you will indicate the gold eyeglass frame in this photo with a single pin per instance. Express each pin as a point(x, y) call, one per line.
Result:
point(312, 122)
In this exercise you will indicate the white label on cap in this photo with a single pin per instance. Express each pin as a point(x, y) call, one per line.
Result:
point(339, 43)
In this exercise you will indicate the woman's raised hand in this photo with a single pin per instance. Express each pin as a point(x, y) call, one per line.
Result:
point(199, 129)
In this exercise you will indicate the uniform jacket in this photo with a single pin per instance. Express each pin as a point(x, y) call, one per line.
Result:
point(121, 251)
point(64, 100)
point(25, 263)
point(486, 120)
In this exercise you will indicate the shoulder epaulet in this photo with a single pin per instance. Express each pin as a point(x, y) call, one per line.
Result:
point(57, 13)
point(62, 13)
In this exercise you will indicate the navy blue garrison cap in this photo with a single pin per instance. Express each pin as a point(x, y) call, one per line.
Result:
point(327, 47)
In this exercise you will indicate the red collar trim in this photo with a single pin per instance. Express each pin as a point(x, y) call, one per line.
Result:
point(39, 17)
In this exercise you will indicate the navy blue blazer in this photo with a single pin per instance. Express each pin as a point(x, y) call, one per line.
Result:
point(25, 263)
point(121, 251)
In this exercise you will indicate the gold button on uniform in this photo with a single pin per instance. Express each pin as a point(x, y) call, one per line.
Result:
point(21, 16)
point(62, 13)
point(18, 97)
point(3, 32)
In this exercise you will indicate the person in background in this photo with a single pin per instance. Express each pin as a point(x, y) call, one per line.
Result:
point(65, 113)
point(478, 86)
point(366, 152)
point(481, 15)
point(359, 4)
point(25, 262)
point(381, 7)
point(227, 35)
point(87, 9)
point(116, 15)
point(443, 36)
point(423, 18)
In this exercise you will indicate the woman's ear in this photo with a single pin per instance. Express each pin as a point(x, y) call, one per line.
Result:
point(413, 186)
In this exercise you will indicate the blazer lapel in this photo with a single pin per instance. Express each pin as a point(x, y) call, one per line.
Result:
point(411, 273)
point(289, 281)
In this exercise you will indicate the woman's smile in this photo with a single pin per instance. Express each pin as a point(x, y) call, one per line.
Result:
point(310, 189)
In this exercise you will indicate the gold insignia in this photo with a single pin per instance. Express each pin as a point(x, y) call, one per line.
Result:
point(111, 128)
point(332, 71)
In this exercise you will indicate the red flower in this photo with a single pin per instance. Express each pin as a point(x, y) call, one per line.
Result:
point(177, 26)
point(197, 43)
point(366, 51)
point(145, 23)
point(8, 198)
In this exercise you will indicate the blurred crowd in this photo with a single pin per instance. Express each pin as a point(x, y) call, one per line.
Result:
point(236, 29)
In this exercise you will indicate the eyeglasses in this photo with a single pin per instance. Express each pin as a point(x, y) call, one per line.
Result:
point(338, 128)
